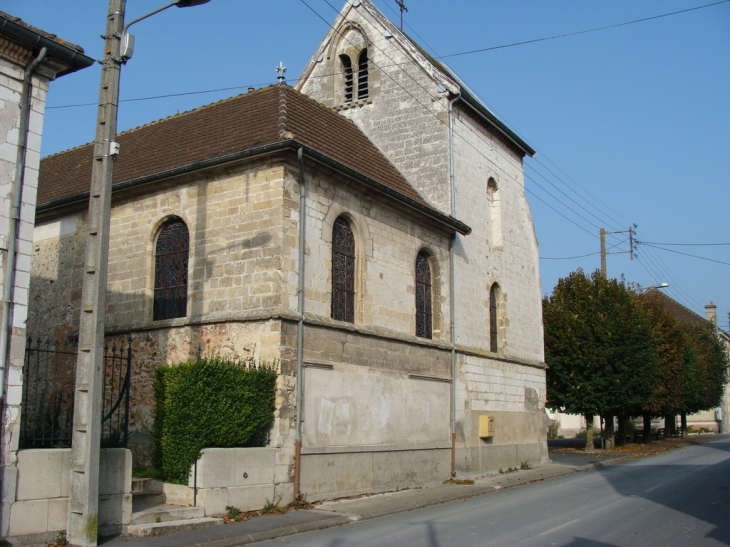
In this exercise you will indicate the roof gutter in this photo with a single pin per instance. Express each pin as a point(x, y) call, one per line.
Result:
point(76, 60)
point(484, 113)
point(448, 221)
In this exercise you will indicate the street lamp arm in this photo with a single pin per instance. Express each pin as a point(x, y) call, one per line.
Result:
point(145, 16)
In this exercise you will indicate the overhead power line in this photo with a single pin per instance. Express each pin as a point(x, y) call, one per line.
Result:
point(684, 244)
point(685, 254)
point(578, 32)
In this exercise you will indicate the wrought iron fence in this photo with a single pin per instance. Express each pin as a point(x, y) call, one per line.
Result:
point(49, 375)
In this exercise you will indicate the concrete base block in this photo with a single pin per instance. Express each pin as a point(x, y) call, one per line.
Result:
point(177, 494)
point(348, 473)
point(214, 500)
point(29, 517)
point(250, 498)
point(41, 472)
point(224, 467)
point(488, 459)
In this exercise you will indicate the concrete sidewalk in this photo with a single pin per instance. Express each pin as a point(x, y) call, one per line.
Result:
point(337, 513)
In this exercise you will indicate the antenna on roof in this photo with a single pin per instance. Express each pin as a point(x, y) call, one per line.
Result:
point(402, 8)
point(281, 69)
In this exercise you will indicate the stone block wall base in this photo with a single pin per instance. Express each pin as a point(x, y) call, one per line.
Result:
point(325, 476)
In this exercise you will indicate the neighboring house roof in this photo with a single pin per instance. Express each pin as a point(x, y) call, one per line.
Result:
point(272, 118)
point(33, 40)
point(686, 315)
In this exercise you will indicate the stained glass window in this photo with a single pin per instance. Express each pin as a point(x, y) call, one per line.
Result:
point(171, 271)
point(343, 272)
point(423, 297)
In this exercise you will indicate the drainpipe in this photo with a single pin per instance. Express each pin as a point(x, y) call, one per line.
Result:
point(6, 326)
point(300, 324)
point(452, 305)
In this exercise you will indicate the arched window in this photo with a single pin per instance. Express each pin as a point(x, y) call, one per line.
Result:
point(347, 74)
point(495, 213)
point(494, 294)
point(423, 297)
point(171, 271)
point(343, 272)
point(362, 75)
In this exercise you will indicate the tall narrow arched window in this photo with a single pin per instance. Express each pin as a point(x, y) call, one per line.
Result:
point(171, 271)
point(493, 318)
point(495, 213)
point(424, 315)
point(347, 75)
point(362, 75)
point(343, 271)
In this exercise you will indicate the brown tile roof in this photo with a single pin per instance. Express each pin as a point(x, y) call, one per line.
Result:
point(267, 116)
point(685, 315)
point(40, 32)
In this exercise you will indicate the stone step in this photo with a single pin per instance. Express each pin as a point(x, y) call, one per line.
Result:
point(166, 513)
point(158, 528)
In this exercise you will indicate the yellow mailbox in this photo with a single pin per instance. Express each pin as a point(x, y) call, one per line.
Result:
point(486, 426)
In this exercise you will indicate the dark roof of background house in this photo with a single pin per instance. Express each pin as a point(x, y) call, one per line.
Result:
point(259, 118)
point(683, 314)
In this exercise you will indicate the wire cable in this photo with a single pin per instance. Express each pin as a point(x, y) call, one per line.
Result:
point(576, 33)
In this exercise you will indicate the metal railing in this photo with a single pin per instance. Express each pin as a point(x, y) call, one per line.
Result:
point(49, 375)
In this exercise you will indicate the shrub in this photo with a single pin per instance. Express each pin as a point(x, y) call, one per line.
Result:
point(209, 403)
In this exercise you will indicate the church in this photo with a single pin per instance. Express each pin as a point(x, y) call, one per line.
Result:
point(366, 229)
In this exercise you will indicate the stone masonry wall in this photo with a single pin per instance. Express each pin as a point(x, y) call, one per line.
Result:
point(387, 242)
point(11, 78)
point(479, 156)
point(405, 113)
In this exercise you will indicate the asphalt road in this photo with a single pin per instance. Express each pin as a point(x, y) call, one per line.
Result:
point(678, 498)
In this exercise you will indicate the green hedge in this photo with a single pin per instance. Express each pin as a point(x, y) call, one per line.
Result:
point(209, 403)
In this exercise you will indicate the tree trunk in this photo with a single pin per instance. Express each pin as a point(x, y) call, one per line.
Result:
point(589, 433)
point(621, 430)
point(684, 425)
point(647, 428)
point(669, 426)
point(610, 431)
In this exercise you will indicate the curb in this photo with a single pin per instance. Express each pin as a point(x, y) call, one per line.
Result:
point(275, 533)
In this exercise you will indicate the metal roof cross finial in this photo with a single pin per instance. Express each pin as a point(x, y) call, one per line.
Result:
point(281, 69)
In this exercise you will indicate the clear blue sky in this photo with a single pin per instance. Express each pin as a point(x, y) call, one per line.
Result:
point(631, 124)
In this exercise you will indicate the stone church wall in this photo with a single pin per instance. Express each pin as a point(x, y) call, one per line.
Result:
point(485, 257)
point(405, 113)
point(387, 240)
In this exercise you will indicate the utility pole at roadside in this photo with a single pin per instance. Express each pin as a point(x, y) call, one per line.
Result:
point(83, 503)
point(603, 233)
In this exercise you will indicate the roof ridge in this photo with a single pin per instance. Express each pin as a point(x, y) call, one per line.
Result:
point(167, 118)
point(282, 122)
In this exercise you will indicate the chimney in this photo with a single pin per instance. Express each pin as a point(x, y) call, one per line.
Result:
point(251, 89)
point(711, 313)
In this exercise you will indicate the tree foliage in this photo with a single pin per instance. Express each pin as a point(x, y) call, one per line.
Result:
point(611, 351)
point(598, 346)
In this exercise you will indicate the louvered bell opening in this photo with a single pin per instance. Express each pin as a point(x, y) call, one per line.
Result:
point(362, 75)
point(347, 72)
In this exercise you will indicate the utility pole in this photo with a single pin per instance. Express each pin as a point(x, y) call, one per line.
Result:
point(83, 506)
point(402, 8)
point(603, 233)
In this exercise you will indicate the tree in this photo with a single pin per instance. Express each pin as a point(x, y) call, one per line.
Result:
point(598, 348)
point(713, 365)
point(674, 385)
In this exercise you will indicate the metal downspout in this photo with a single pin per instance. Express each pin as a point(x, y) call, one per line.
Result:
point(13, 228)
point(300, 325)
point(452, 306)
